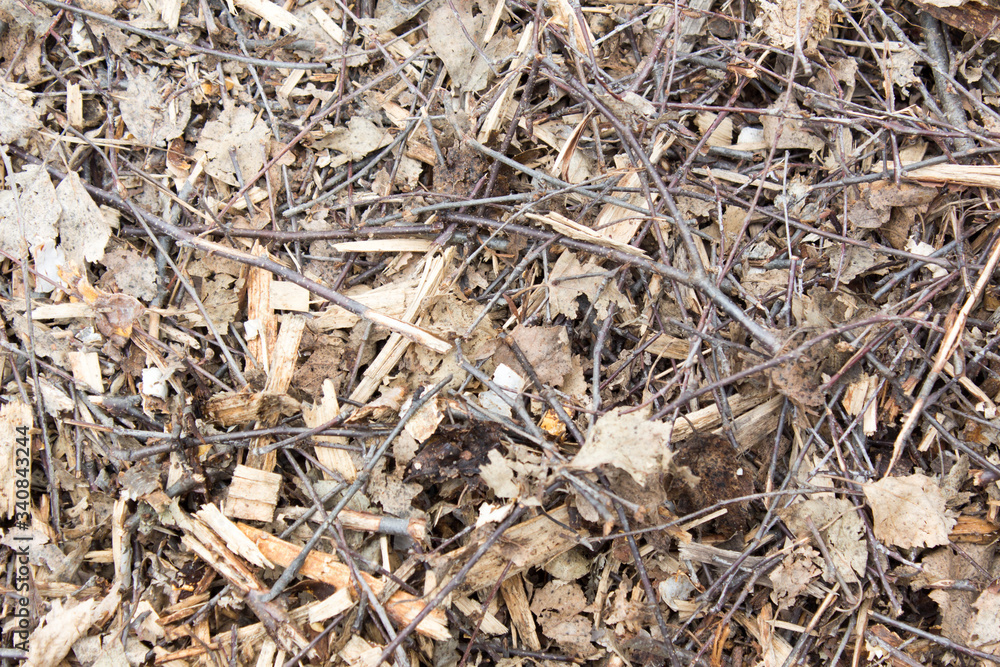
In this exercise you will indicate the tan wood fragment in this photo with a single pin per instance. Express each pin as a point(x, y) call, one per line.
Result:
point(237, 542)
point(574, 230)
point(359, 652)
point(526, 545)
point(247, 638)
point(15, 460)
point(390, 299)
point(392, 351)
point(503, 108)
point(272, 13)
point(512, 590)
point(337, 460)
point(260, 312)
point(74, 105)
point(289, 296)
point(334, 604)
point(58, 311)
point(401, 607)
point(473, 609)
point(253, 494)
point(758, 424)
point(268, 653)
point(279, 379)
point(385, 245)
point(669, 347)
point(288, 86)
point(970, 175)
point(200, 539)
point(708, 418)
point(233, 409)
point(414, 528)
point(328, 25)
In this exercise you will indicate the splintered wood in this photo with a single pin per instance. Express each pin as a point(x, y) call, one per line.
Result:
point(321, 566)
point(526, 545)
point(15, 460)
point(253, 494)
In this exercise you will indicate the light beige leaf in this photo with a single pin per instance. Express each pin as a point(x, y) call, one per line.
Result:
point(499, 476)
point(838, 522)
point(153, 111)
point(793, 575)
point(17, 117)
point(629, 442)
point(238, 128)
point(546, 348)
point(986, 626)
point(569, 279)
point(909, 511)
point(83, 229)
point(783, 129)
point(448, 39)
point(29, 211)
point(358, 139)
point(791, 23)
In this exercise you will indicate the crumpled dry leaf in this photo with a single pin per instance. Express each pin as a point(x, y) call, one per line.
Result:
point(985, 632)
point(940, 567)
point(560, 606)
point(153, 112)
point(17, 117)
point(63, 625)
point(499, 476)
point(358, 139)
point(567, 283)
point(83, 229)
point(131, 273)
point(793, 575)
point(630, 442)
point(782, 130)
point(238, 127)
point(870, 205)
point(909, 511)
point(29, 210)
point(446, 36)
point(858, 261)
point(838, 523)
point(546, 348)
point(790, 23)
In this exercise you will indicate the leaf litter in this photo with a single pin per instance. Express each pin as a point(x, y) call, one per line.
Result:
point(472, 332)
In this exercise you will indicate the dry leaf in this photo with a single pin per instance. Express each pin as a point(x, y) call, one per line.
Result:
point(358, 139)
point(909, 511)
point(83, 229)
point(793, 575)
point(499, 476)
point(130, 272)
point(153, 111)
point(239, 128)
point(629, 442)
point(569, 280)
point(547, 350)
point(870, 205)
point(29, 210)
point(783, 131)
point(985, 632)
point(17, 117)
point(788, 24)
point(448, 39)
point(840, 526)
